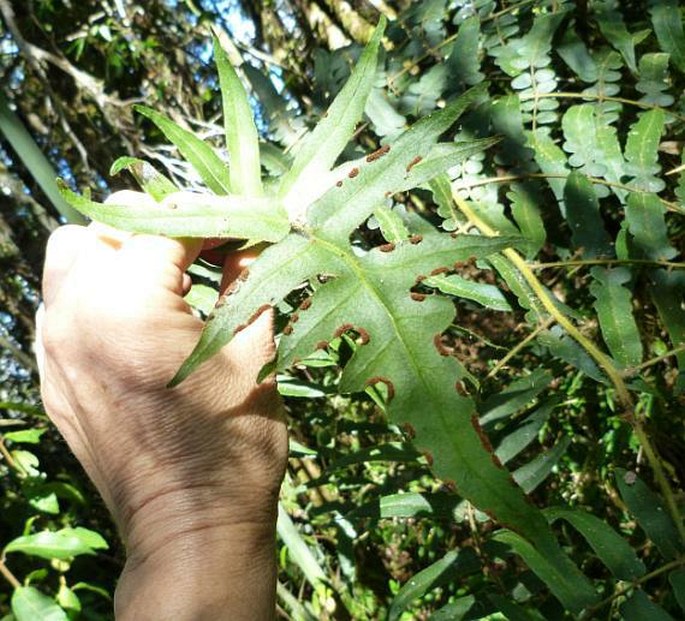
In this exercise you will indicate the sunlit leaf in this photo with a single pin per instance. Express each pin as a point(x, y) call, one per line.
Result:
point(320, 149)
point(61, 544)
point(487, 295)
point(29, 604)
point(149, 179)
point(190, 214)
point(211, 168)
point(242, 140)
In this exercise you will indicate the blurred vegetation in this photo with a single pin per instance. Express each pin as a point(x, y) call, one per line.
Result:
point(573, 344)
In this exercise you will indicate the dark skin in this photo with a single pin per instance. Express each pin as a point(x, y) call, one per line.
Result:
point(190, 474)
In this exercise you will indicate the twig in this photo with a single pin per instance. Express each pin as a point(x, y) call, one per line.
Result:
point(599, 97)
point(629, 372)
point(622, 590)
point(8, 456)
point(520, 346)
point(8, 575)
point(579, 263)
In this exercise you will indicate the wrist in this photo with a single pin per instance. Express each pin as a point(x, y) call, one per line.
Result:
point(211, 571)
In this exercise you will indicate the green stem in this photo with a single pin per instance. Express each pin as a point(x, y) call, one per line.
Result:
point(579, 263)
point(671, 352)
point(589, 96)
point(679, 562)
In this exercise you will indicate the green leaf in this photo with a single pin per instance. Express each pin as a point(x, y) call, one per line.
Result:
point(614, 306)
point(520, 288)
point(514, 397)
point(641, 152)
point(211, 168)
point(450, 567)
point(530, 476)
point(551, 160)
point(578, 124)
point(289, 387)
point(640, 608)
point(67, 599)
point(148, 178)
point(582, 213)
point(646, 223)
point(277, 271)
point(386, 120)
point(610, 20)
point(512, 611)
point(27, 462)
point(242, 140)
point(525, 208)
point(463, 63)
point(25, 436)
point(667, 290)
point(647, 508)
point(61, 544)
point(563, 346)
point(668, 27)
point(29, 604)
point(507, 121)
point(320, 149)
point(409, 505)
point(677, 580)
point(487, 295)
point(572, 589)
point(654, 80)
point(391, 224)
point(411, 161)
point(525, 433)
point(612, 549)
point(298, 550)
point(467, 607)
point(188, 214)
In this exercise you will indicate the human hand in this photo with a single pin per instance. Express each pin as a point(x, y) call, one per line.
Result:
point(191, 474)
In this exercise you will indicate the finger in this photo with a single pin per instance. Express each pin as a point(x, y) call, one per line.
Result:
point(155, 250)
point(108, 235)
point(63, 248)
point(237, 265)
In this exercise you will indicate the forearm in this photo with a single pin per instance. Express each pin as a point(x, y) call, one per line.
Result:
point(214, 574)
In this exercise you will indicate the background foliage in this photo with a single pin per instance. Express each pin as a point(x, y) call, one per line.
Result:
point(570, 343)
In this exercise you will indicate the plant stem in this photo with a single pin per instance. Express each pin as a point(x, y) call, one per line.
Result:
point(515, 350)
point(589, 96)
point(679, 562)
point(604, 362)
point(8, 456)
point(672, 352)
point(8, 575)
point(674, 207)
point(580, 263)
